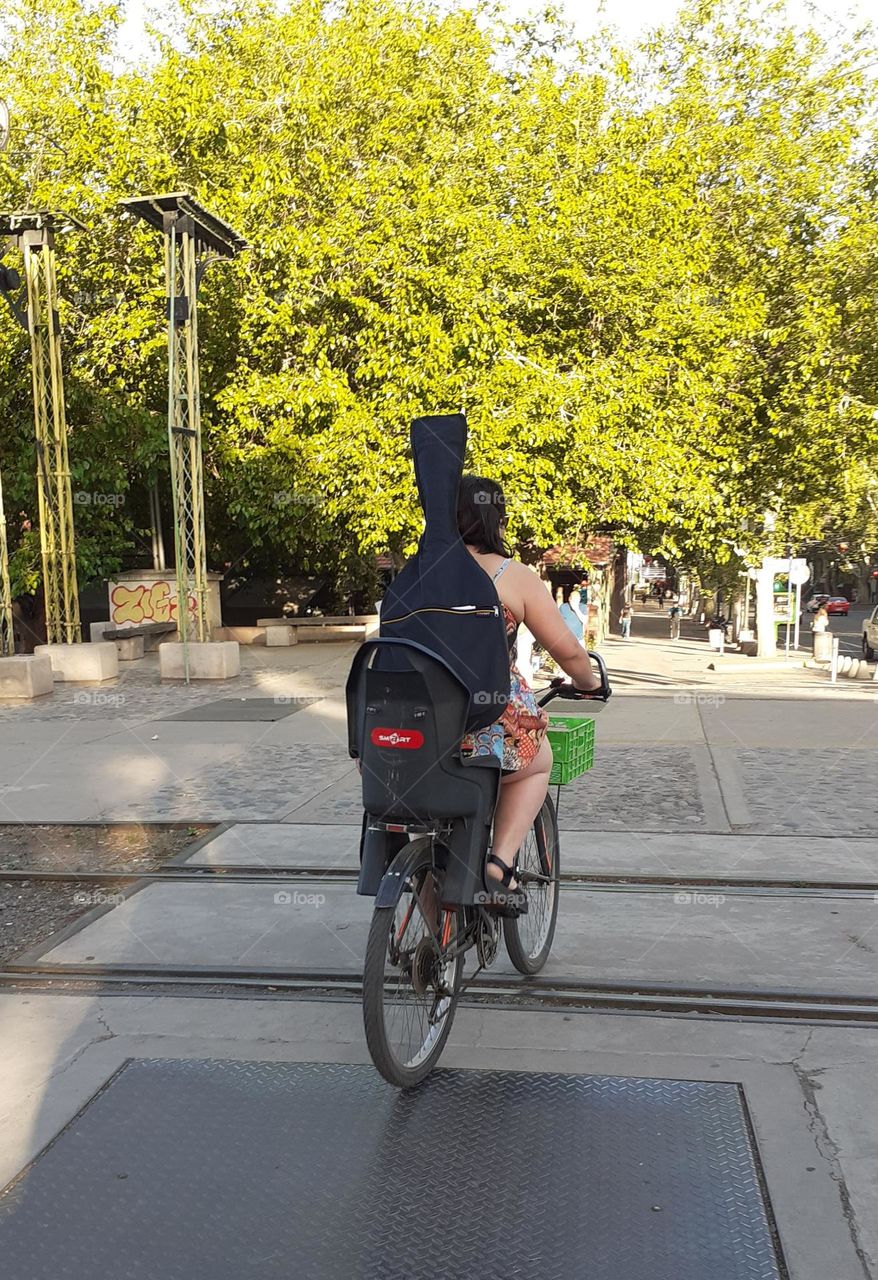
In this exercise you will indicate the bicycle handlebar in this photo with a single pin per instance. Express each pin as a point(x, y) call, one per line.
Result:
point(561, 688)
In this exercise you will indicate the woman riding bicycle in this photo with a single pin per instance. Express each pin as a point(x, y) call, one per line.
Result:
point(518, 738)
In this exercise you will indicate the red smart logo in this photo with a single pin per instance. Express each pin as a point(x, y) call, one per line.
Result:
point(402, 739)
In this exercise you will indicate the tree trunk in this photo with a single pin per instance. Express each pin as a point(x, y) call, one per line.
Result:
point(619, 596)
point(766, 635)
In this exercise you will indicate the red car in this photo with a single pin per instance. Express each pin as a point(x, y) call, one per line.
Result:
point(838, 604)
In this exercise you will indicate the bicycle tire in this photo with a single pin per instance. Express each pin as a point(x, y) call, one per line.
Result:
point(400, 1070)
point(530, 958)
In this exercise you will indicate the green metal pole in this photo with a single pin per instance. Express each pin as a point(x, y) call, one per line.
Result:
point(7, 635)
point(179, 534)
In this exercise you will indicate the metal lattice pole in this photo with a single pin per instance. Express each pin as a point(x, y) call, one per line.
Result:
point(193, 239)
point(7, 635)
point(34, 233)
point(53, 467)
point(184, 431)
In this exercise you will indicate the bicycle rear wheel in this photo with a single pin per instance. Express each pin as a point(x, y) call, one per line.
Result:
point(411, 977)
point(529, 937)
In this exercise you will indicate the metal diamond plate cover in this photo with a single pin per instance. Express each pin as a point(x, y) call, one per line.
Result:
point(191, 1170)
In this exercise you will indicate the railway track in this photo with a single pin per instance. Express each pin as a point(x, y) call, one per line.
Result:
point(589, 881)
point(486, 990)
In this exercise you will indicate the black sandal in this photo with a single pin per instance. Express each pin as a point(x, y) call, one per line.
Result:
point(505, 901)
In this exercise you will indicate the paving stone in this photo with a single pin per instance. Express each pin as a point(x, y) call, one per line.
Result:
point(635, 787)
point(822, 791)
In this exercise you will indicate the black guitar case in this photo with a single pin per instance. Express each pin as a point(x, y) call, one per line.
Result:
point(442, 598)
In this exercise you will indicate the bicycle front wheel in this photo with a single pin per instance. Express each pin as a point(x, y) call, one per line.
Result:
point(529, 937)
point(412, 975)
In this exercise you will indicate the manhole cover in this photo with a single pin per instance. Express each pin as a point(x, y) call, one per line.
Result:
point(245, 709)
point(193, 1170)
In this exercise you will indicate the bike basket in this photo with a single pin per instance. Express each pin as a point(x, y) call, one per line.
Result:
point(572, 742)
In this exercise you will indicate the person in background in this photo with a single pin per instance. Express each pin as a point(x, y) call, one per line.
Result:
point(581, 610)
point(675, 613)
point(524, 652)
point(820, 621)
point(571, 615)
point(625, 622)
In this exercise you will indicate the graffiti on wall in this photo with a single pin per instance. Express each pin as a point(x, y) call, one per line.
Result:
point(156, 602)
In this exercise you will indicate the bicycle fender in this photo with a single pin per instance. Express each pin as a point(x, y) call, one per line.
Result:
point(393, 881)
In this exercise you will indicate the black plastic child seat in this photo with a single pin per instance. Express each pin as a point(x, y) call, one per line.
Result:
point(405, 726)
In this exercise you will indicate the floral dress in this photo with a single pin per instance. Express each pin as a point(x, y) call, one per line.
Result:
point(516, 738)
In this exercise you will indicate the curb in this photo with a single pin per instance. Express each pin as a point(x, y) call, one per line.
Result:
point(848, 667)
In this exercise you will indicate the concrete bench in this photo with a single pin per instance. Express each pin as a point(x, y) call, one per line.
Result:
point(295, 630)
point(205, 660)
point(26, 676)
point(132, 641)
point(90, 663)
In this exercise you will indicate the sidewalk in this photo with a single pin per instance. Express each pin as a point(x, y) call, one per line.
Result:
point(678, 747)
point(651, 661)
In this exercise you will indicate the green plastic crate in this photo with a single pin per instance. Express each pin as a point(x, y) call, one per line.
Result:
point(572, 739)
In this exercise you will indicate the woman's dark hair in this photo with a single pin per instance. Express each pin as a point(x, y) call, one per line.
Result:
point(481, 515)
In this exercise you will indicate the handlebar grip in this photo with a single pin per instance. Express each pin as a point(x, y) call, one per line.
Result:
point(604, 692)
point(561, 688)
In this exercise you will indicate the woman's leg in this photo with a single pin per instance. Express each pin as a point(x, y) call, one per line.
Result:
point(521, 797)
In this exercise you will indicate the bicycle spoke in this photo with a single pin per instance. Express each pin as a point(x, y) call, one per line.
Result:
point(418, 976)
point(529, 936)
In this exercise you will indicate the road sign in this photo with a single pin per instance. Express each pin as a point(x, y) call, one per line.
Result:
point(798, 568)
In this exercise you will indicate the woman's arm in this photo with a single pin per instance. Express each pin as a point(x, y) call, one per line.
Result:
point(543, 620)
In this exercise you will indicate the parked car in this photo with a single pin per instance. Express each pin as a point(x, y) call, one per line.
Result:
point(815, 602)
point(870, 635)
point(838, 604)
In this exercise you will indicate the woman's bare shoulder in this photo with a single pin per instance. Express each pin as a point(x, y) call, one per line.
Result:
point(525, 577)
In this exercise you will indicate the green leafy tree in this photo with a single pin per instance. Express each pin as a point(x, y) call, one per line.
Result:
point(646, 273)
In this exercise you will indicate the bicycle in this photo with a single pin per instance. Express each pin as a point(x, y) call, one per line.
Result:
point(426, 831)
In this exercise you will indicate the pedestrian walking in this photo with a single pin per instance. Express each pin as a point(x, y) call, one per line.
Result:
point(820, 621)
point(580, 608)
point(572, 615)
point(675, 613)
point(821, 643)
point(625, 622)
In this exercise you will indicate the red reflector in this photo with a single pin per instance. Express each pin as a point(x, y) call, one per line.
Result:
point(402, 739)
point(395, 826)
